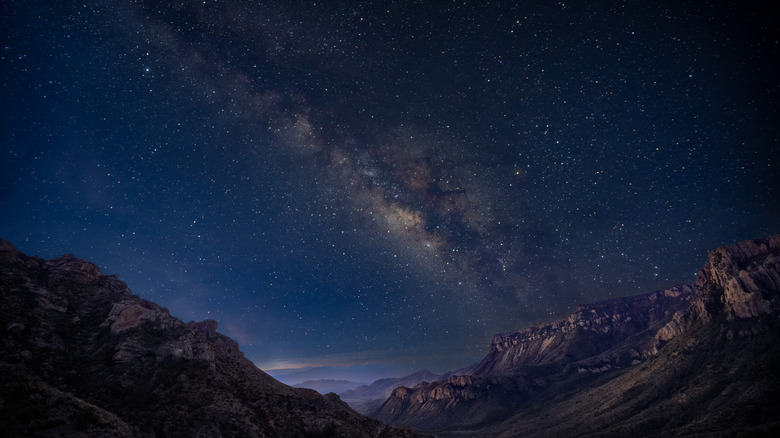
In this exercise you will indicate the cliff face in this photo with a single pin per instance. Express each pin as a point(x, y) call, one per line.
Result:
point(366, 398)
point(592, 330)
point(596, 338)
point(741, 280)
point(81, 355)
point(682, 354)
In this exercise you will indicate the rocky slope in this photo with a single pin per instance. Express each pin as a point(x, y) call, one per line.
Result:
point(366, 398)
point(80, 355)
point(698, 359)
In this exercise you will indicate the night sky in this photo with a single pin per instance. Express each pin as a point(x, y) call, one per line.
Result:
point(386, 182)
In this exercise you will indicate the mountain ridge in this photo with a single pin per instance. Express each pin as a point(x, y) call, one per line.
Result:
point(82, 355)
point(324, 386)
point(367, 398)
point(562, 378)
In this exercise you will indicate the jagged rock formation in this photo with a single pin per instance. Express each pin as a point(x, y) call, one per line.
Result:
point(366, 398)
point(595, 338)
point(592, 331)
point(743, 277)
point(80, 355)
point(699, 359)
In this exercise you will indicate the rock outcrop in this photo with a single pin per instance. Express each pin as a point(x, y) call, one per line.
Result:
point(596, 338)
point(593, 330)
point(80, 355)
point(366, 398)
point(681, 361)
point(740, 281)
point(748, 276)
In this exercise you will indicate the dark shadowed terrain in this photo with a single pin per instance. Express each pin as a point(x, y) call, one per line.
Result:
point(83, 356)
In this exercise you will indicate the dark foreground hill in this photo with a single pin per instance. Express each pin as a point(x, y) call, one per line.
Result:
point(694, 360)
point(80, 355)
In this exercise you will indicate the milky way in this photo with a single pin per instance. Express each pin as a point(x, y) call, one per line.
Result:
point(358, 183)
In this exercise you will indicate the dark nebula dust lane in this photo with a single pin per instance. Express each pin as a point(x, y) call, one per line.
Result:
point(386, 183)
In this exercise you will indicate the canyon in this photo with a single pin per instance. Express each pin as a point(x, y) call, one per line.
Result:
point(82, 355)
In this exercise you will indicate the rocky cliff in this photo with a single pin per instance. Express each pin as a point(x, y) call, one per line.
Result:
point(366, 398)
point(692, 359)
point(740, 280)
point(80, 355)
point(593, 330)
point(596, 338)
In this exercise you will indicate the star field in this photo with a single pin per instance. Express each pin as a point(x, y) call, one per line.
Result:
point(349, 182)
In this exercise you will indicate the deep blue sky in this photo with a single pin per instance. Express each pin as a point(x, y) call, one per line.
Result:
point(340, 182)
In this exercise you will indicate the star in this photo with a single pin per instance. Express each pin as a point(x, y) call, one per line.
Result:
point(386, 185)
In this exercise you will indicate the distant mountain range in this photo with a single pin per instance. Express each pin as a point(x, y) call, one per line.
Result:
point(367, 397)
point(691, 360)
point(353, 373)
point(325, 386)
point(80, 355)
